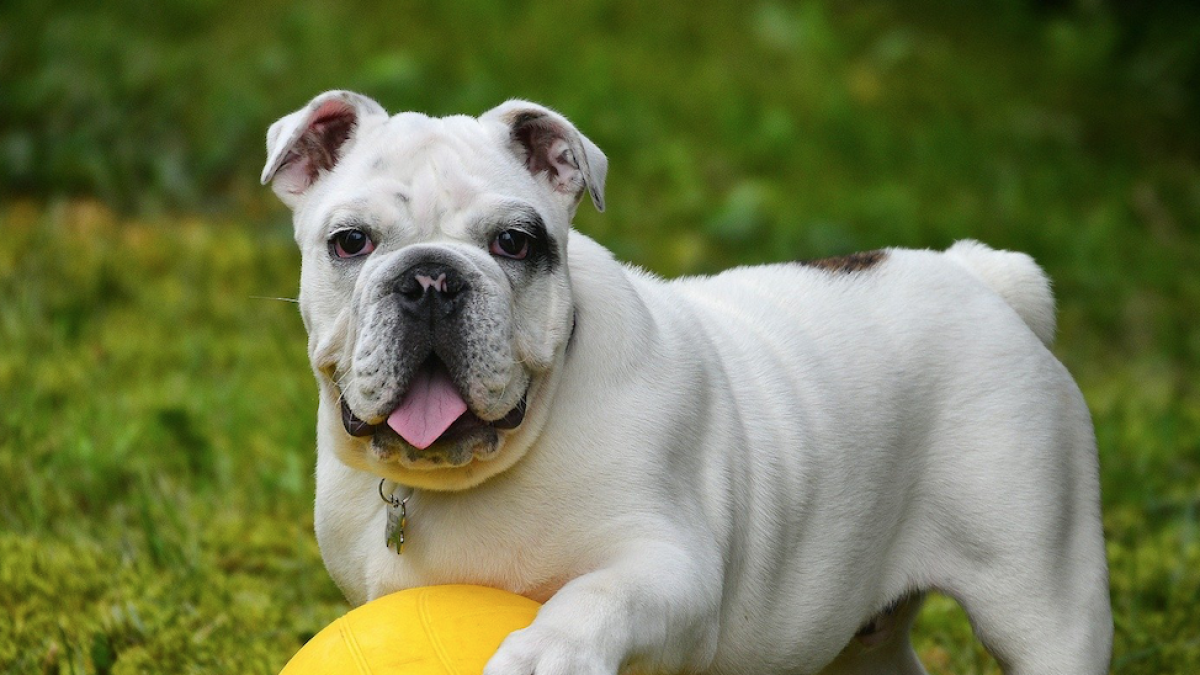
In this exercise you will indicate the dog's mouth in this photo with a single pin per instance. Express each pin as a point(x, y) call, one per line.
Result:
point(432, 410)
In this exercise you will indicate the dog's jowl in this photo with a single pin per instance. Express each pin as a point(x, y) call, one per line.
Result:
point(757, 472)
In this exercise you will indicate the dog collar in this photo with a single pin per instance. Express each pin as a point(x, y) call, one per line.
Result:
point(397, 516)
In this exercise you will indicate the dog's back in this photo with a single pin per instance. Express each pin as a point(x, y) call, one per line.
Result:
point(904, 400)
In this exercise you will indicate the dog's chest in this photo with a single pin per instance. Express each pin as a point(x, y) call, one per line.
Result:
point(460, 539)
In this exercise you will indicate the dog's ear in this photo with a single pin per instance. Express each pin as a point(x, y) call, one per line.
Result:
point(310, 141)
point(553, 150)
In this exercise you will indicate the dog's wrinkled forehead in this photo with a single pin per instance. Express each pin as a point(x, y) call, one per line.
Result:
point(432, 169)
point(343, 147)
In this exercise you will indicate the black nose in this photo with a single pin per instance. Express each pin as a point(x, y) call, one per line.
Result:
point(430, 287)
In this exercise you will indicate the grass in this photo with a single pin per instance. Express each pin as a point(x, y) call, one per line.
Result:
point(156, 430)
point(157, 426)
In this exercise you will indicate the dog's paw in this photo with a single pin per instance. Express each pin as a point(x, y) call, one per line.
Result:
point(532, 651)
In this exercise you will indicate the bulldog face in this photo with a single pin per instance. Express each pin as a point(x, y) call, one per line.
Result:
point(434, 286)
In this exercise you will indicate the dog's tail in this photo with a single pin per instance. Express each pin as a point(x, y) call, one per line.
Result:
point(1014, 277)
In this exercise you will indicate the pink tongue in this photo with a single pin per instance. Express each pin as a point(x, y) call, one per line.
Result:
point(429, 408)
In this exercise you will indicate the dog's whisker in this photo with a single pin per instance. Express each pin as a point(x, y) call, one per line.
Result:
point(267, 297)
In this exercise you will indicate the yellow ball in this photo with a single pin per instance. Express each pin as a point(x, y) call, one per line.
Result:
point(432, 630)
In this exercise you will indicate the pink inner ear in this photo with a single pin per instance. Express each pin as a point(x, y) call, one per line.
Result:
point(329, 110)
point(318, 147)
point(536, 136)
point(547, 151)
point(561, 159)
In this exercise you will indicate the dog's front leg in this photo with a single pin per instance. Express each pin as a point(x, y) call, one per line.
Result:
point(655, 609)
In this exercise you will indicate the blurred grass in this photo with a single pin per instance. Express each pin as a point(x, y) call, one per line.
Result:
point(156, 433)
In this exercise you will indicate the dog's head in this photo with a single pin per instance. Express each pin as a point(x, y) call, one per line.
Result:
point(434, 283)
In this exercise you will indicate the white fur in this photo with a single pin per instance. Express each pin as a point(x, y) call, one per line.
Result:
point(733, 474)
point(1017, 279)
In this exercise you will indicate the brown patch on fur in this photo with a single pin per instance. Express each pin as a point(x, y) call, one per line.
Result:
point(855, 262)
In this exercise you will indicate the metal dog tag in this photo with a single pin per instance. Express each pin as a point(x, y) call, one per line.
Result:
point(397, 520)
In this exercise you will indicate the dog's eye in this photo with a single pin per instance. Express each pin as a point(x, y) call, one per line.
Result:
point(511, 244)
point(352, 243)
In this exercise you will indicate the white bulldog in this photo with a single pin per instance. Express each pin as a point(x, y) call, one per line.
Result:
point(756, 472)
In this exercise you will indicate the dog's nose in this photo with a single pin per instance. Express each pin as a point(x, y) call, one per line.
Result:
point(430, 287)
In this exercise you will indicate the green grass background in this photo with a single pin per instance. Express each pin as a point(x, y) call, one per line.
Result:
point(156, 412)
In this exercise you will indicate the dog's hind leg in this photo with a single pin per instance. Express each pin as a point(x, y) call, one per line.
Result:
point(882, 647)
point(1024, 554)
point(1039, 623)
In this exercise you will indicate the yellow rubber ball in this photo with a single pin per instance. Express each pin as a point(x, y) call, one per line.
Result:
point(431, 630)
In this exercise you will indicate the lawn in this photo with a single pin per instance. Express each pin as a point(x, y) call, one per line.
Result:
point(156, 426)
